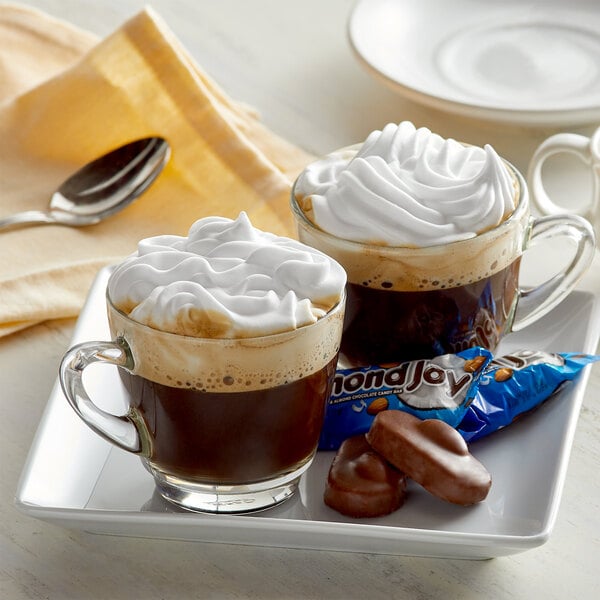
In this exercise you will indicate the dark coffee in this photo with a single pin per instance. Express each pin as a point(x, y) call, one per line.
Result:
point(383, 325)
point(232, 437)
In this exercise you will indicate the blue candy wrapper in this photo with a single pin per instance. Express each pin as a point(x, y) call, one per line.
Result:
point(515, 384)
point(442, 387)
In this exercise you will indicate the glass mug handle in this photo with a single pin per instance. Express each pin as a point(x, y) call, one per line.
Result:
point(572, 143)
point(536, 302)
point(119, 430)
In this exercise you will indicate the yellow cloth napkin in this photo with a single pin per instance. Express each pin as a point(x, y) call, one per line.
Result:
point(66, 98)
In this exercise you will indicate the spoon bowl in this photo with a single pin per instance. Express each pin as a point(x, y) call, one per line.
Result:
point(102, 187)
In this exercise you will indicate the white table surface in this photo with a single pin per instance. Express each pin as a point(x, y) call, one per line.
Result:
point(292, 61)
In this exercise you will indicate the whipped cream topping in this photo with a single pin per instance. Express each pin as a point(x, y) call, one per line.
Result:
point(226, 279)
point(407, 187)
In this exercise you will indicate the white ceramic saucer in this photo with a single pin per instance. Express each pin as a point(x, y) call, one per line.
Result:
point(514, 61)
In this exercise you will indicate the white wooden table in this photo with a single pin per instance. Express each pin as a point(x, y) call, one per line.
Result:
point(292, 61)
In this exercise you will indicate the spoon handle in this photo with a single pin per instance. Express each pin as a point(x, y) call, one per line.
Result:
point(29, 217)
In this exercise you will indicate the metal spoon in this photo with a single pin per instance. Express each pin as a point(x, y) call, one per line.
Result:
point(100, 188)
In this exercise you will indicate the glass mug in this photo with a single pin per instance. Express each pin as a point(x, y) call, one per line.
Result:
point(585, 148)
point(405, 303)
point(223, 425)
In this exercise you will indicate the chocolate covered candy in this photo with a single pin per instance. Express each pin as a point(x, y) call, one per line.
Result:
point(432, 453)
point(361, 483)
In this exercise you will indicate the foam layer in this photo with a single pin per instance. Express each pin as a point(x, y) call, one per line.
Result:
point(226, 279)
point(229, 365)
point(407, 187)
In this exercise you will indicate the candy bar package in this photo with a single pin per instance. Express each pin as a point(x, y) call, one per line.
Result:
point(471, 391)
point(442, 387)
point(515, 384)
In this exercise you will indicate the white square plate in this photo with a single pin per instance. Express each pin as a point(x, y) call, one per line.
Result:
point(76, 479)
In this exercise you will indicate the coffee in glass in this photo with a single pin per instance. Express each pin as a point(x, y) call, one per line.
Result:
point(227, 342)
point(431, 234)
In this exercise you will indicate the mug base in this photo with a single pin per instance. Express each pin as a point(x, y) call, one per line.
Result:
point(226, 499)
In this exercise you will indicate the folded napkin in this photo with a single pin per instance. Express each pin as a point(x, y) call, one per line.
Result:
point(66, 98)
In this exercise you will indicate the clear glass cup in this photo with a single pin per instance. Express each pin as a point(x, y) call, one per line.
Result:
point(405, 303)
point(223, 425)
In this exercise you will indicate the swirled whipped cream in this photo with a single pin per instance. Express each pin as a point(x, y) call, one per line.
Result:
point(226, 279)
point(407, 187)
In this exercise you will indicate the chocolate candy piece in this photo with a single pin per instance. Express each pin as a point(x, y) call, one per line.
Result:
point(432, 453)
point(361, 483)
